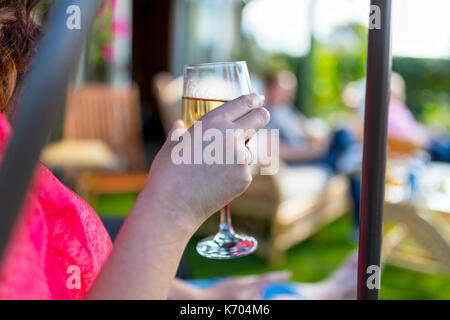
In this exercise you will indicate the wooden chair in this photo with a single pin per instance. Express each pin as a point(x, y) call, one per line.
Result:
point(425, 246)
point(280, 210)
point(111, 115)
point(401, 148)
point(102, 112)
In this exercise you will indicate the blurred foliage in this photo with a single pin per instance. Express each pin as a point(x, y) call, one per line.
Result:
point(335, 64)
point(117, 206)
point(264, 64)
point(99, 44)
point(42, 10)
point(322, 74)
point(330, 66)
point(428, 89)
point(437, 116)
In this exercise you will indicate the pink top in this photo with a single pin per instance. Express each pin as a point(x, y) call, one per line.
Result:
point(403, 126)
point(58, 245)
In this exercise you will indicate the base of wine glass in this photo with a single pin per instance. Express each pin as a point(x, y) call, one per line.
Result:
point(227, 246)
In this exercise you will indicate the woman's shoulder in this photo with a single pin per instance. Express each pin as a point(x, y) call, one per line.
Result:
point(58, 237)
point(76, 237)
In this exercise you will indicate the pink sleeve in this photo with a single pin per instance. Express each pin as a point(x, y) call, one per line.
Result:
point(56, 236)
point(402, 124)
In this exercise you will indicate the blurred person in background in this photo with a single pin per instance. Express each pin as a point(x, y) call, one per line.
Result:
point(402, 125)
point(339, 151)
point(59, 249)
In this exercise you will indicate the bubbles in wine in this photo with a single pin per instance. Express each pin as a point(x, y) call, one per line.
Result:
point(212, 88)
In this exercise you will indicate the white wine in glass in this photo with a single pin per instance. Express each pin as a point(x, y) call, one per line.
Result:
point(206, 87)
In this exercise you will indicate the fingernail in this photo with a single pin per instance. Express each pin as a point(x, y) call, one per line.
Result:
point(178, 124)
point(258, 99)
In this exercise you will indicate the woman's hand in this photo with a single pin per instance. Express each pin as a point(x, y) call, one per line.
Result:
point(173, 204)
point(192, 192)
point(243, 288)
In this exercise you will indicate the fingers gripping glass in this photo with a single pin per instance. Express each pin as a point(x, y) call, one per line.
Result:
point(206, 87)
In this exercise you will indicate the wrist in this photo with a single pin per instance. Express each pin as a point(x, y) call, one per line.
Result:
point(167, 213)
point(205, 294)
point(181, 290)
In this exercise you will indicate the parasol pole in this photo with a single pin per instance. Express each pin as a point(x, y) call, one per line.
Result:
point(41, 99)
point(375, 146)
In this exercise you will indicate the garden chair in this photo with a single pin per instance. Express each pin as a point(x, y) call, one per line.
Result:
point(111, 115)
point(401, 148)
point(425, 246)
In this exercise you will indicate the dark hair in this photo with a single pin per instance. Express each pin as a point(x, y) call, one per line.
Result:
point(18, 35)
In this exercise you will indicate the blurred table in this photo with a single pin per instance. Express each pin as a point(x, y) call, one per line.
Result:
point(422, 217)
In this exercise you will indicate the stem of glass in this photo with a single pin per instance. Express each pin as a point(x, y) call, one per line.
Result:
point(226, 229)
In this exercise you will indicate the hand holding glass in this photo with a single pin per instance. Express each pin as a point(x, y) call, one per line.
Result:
point(206, 87)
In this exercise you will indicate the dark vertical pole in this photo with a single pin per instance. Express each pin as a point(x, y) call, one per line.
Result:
point(42, 96)
point(374, 157)
point(151, 51)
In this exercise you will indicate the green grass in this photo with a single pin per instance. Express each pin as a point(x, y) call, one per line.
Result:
point(399, 283)
point(310, 261)
point(114, 206)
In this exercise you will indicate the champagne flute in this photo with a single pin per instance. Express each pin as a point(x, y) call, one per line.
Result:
point(206, 87)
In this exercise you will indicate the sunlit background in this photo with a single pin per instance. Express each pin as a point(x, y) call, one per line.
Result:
point(419, 30)
point(133, 63)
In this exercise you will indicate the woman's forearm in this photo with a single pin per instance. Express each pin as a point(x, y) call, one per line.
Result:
point(146, 254)
point(181, 290)
point(176, 200)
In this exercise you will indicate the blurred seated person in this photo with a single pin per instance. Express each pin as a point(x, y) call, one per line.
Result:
point(402, 125)
point(338, 151)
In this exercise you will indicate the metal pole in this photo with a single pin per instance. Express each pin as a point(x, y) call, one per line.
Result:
point(42, 97)
point(374, 156)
